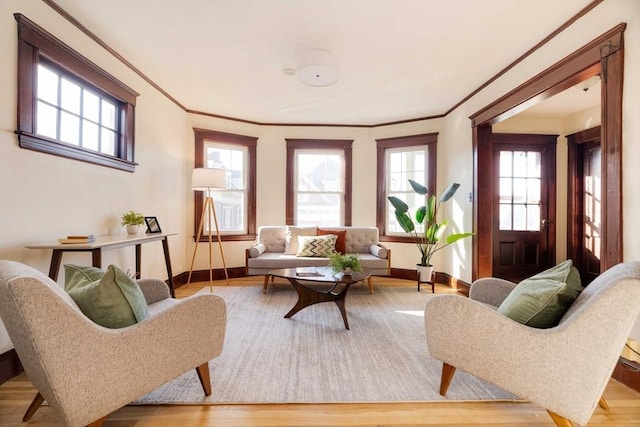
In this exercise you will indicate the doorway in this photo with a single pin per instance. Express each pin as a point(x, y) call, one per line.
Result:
point(603, 56)
point(584, 193)
point(524, 204)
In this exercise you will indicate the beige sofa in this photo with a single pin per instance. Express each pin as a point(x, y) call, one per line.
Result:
point(268, 252)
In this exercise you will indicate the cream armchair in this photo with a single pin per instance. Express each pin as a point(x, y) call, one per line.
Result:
point(85, 371)
point(564, 369)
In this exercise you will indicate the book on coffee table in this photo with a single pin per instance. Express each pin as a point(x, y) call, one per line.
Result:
point(307, 272)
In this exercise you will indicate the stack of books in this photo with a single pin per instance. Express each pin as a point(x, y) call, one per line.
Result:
point(81, 238)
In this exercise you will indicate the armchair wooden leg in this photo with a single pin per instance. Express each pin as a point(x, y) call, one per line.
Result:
point(447, 376)
point(370, 283)
point(603, 404)
point(35, 404)
point(203, 376)
point(97, 423)
point(560, 421)
point(265, 284)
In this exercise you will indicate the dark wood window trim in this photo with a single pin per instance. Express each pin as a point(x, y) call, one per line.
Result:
point(328, 144)
point(202, 135)
point(429, 139)
point(35, 43)
point(607, 50)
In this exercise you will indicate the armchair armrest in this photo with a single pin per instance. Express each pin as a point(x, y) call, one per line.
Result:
point(490, 290)
point(154, 290)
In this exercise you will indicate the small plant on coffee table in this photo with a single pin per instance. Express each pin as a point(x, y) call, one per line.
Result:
point(346, 263)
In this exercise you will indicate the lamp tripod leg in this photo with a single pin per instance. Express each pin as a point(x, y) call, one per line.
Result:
point(210, 208)
point(195, 248)
point(224, 262)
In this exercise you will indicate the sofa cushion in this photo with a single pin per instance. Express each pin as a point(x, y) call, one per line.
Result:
point(291, 237)
point(541, 300)
point(341, 241)
point(111, 299)
point(316, 246)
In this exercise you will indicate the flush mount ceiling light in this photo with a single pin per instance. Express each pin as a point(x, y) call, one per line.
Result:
point(316, 68)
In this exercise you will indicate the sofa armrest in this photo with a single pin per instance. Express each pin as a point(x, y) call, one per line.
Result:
point(154, 290)
point(256, 250)
point(490, 290)
point(379, 251)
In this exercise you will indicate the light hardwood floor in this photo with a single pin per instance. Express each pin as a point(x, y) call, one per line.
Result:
point(16, 394)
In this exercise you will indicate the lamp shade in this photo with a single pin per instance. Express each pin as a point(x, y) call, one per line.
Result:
point(204, 179)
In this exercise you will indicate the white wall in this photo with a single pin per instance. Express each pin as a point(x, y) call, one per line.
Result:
point(456, 136)
point(271, 176)
point(45, 197)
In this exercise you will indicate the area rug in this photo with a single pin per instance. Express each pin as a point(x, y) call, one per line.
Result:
point(312, 358)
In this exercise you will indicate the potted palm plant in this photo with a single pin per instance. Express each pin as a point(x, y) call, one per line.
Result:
point(429, 237)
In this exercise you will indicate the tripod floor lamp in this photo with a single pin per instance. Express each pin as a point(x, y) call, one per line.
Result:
point(207, 180)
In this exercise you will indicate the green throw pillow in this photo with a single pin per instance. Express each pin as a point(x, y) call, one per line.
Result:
point(111, 299)
point(541, 300)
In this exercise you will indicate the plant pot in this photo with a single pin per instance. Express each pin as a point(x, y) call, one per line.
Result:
point(347, 271)
point(425, 272)
point(132, 229)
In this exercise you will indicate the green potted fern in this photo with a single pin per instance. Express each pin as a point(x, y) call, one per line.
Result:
point(347, 263)
point(426, 232)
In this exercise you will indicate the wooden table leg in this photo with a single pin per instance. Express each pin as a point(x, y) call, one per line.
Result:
point(54, 268)
point(167, 261)
point(138, 260)
point(308, 296)
point(96, 257)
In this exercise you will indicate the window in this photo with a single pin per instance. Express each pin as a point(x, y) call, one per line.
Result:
point(68, 106)
point(236, 205)
point(401, 159)
point(520, 185)
point(318, 182)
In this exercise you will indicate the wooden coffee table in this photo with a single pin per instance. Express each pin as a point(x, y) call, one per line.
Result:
point(309, 296)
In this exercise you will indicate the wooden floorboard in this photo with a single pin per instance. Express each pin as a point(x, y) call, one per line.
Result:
point(16, 394)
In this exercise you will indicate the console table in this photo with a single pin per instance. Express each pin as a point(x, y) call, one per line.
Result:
point(105, 243)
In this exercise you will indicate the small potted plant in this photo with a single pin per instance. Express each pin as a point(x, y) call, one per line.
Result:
point(429, 238)
point(133, 220)
point(347, 263)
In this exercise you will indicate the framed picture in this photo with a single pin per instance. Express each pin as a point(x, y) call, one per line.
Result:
point(153, 226)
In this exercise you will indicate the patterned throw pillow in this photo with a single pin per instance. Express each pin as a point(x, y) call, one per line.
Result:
point(291, 237)
point(316, 246)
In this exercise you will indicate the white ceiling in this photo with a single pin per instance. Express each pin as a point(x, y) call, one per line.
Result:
point(397, 60)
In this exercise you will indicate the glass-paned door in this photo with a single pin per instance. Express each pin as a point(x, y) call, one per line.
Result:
point(521, 225)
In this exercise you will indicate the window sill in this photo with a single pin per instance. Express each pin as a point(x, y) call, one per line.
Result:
point(50, 146)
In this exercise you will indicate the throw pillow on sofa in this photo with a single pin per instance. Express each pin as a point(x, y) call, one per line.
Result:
point(291, 237)
point(341, 241)
point(111, 299)
point(541, 300)
point(316, 246)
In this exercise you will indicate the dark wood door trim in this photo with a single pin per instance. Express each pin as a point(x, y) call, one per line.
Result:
point(575, 205)
point(603, 56)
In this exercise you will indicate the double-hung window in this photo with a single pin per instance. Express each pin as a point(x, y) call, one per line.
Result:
point(68, 106)
point(399, 160)
point(318, 182)
point(234, 205)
